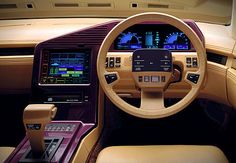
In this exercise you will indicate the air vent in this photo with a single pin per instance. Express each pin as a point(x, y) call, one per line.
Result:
point(91, 37)
point(157, 6)
point(99, 4)
point(66, 5)
point(8, 6)
point(16, 51)
point(217, 58)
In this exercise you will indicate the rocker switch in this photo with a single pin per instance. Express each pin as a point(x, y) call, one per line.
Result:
point(110, 78)
point(193, 78)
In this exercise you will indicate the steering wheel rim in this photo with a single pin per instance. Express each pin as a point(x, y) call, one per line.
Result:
point(152, 113)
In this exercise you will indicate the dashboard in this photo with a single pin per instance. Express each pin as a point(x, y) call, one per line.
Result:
point(152, 36)
point(88, 34)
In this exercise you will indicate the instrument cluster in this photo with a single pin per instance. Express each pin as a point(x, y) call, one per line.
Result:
point(152, 36)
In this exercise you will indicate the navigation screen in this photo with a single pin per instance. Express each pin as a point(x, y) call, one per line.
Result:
point(66, 67)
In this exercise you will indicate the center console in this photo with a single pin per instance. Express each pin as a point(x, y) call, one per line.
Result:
point(64, 75)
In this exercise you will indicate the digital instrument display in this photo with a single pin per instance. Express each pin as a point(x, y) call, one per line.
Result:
point(152, 36)
point(65, 67)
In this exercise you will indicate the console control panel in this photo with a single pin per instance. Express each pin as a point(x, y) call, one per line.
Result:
point(149, 60)
point(113, 62)
point(191, 62)
point(60, 127)
point(61, 140)
point(152, 79)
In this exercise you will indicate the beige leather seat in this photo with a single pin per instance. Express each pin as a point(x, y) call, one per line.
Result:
point(162, 154)
point(5, 152)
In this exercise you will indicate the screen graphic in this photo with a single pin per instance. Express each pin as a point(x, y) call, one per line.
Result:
point(67, 68)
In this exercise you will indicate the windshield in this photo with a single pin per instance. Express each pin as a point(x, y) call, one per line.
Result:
point(213, 11)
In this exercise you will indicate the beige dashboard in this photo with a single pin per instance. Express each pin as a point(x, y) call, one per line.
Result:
point(17, 69)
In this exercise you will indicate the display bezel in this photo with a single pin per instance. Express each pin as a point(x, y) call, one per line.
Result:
point(49, 52)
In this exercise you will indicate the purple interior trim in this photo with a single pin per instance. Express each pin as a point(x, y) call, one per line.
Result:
point(67, 147)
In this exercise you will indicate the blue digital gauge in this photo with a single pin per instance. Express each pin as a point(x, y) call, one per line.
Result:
point(151, 39)
point(129, 40)
point(176, 41)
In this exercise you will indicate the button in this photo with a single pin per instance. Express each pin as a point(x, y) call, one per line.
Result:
point(45, 69)
point(188, 60)
point(140, 79)
point(195, 64)
point(146, 78)
point(118, 59)
point(110, 78)
point(111, 62)
point(45, 57)
point(194, 59)
point(189, 66)
point(117, 65)
point(44, 80)
point(106, 64)
point(51, 80)
point(86, 98)
point(163, 79)
point(155, 79)
point(193, 78)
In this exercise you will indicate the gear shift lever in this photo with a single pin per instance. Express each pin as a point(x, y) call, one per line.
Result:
point(35, 118)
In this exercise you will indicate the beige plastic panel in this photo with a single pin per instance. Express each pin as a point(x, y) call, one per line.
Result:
point(162, 154)
point(215, 88)
point(234, 51)
point(233, 20)
point(218, 38)
point(231, 86)
point(205, 10)
point(16, 74)
point(29, 32)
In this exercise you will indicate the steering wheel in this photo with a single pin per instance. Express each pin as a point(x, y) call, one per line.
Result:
point(152, 95)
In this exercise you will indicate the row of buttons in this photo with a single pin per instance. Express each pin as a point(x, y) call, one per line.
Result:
point(153, 79)
point(60, 127)
point(191, 62)
point(113, 62)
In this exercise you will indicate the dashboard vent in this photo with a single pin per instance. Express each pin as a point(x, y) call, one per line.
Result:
point(16, 51)
point(8, 6)
point(157, 6)
point(99, 5)
point(220, 59)
point(91, 37)
point(66, 5)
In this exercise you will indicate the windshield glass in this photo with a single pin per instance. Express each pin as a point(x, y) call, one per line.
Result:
point(213, 11)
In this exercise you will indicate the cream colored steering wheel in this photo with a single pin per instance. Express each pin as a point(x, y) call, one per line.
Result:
point(152, 98)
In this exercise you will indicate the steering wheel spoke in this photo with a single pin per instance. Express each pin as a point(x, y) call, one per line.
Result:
point(152, 100)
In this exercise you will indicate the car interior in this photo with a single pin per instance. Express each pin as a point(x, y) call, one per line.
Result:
point(118, 81)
